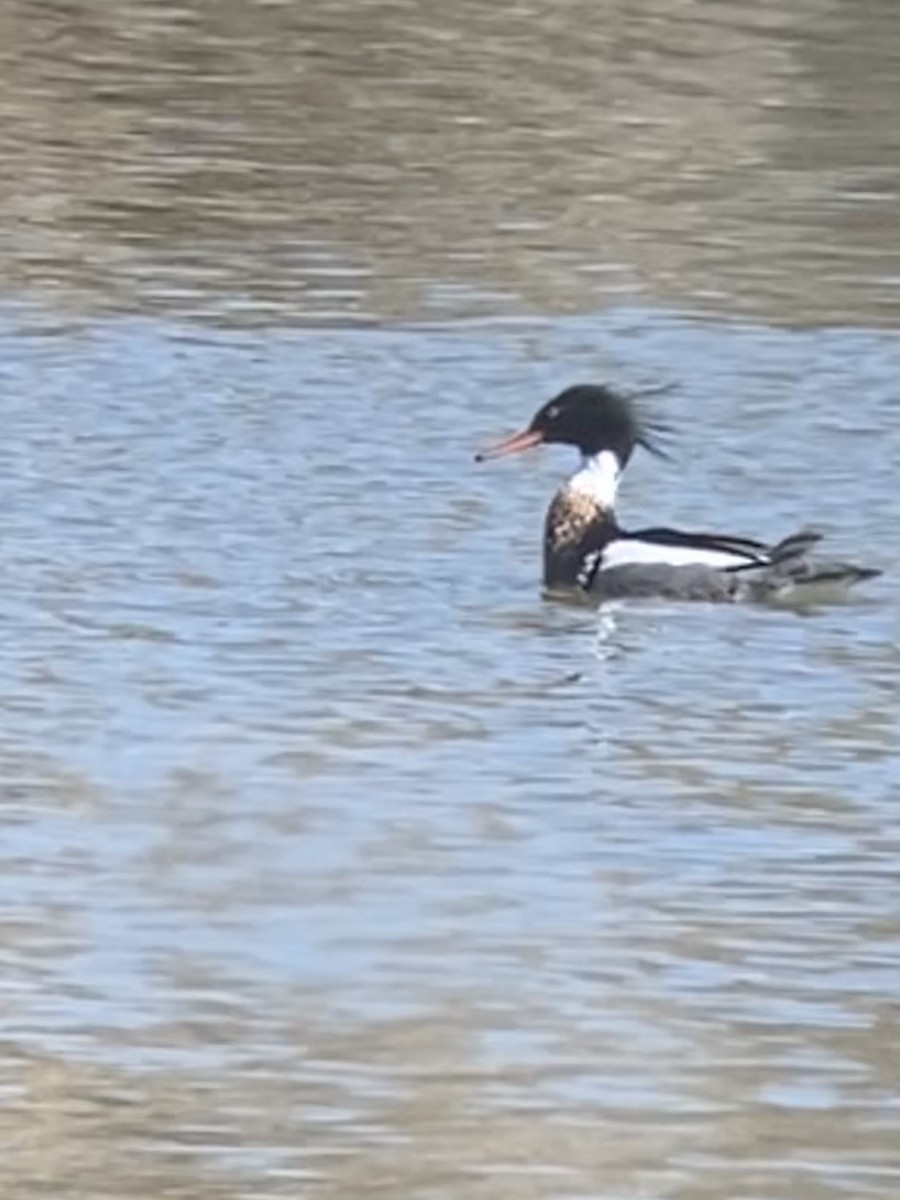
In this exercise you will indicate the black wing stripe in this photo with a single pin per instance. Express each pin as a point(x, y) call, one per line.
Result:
point(754, 550)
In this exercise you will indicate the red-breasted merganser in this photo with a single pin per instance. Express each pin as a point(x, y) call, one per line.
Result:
point(587, 551)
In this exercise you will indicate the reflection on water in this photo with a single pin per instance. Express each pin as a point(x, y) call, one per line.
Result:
point(334, 861)
point(269, 161)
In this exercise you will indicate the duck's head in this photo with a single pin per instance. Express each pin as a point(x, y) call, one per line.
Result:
point(592, 417)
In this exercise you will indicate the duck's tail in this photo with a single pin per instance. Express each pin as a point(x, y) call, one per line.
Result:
point(793, 578)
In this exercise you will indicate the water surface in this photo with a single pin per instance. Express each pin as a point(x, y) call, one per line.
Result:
point(335, 861)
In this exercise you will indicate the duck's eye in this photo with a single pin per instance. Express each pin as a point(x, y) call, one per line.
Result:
point(553, 412)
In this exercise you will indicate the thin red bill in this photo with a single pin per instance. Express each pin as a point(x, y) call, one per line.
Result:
point(526, 440)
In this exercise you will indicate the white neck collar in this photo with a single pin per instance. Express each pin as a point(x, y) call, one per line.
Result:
point(598, 477)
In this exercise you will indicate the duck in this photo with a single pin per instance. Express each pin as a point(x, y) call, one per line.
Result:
point(587, 553)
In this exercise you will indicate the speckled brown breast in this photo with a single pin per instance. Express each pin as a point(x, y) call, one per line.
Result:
point(575, 524)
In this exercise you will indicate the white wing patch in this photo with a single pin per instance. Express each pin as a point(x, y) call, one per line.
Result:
point(625, 551)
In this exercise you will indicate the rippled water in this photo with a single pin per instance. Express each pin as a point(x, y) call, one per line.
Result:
point(335, 862)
